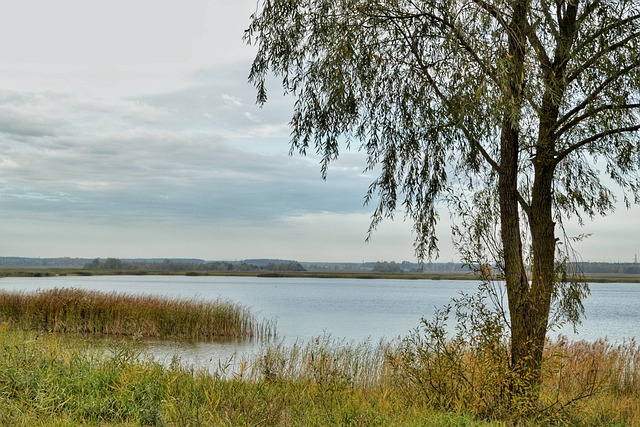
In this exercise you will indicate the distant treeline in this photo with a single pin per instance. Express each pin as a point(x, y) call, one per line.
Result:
point(257, 265)
point(608, 268)
point(175, 266)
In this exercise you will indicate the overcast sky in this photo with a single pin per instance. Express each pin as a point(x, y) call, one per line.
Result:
point(128, 129)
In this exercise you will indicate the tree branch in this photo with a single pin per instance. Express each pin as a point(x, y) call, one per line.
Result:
point(588, 9)
point(425, 69)
point(594, 138)
point(449, 26)
point(412, 42)
point(589, 99)
point(598, 55)
point(524, 205)
point(541, 53)
point(494, 12)
point(606, 107)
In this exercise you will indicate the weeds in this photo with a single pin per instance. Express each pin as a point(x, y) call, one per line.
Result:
point(583, 383)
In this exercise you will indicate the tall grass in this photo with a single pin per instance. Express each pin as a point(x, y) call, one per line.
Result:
point(51, 379)
point(596, 381)
point(48, 380)
point(56, 379)
point(91, 312)
point(583, 383)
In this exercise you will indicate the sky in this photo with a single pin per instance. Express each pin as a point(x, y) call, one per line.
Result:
point(128, 129)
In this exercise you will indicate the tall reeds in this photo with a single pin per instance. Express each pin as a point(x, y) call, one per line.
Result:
point(92, 312)
point(53, 379)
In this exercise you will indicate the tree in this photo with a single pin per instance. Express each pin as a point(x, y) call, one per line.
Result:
point(516, 114)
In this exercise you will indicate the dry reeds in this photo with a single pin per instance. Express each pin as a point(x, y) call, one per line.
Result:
point(98, 313)
point(599, 380)
point(325, 360)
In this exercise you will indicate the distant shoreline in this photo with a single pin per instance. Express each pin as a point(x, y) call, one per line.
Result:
point(52, 272)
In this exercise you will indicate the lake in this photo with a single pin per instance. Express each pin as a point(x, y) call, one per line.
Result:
point(347, 309)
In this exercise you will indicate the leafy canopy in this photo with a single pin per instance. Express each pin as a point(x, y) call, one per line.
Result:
point(424, 87)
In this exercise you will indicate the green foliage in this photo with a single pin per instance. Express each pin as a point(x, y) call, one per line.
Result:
point(49, 380)
point(96, 313)
point(426, 88)
point(46, 380)
point(54, 380)
point(470, 370)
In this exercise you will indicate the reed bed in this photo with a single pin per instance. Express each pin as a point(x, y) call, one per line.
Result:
point(71, 310)
point(58, 380)
point(598, 382)
point(52, 379)
point(324, 360)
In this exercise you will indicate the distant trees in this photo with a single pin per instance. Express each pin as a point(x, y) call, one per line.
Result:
point(175, 266)
point(288, 266)
point(387, 267)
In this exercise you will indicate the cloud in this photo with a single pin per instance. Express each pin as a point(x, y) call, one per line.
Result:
point(158, 156)
point(129, 129)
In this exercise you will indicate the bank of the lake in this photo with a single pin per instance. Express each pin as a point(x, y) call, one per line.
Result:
point(324, 371)
point(444, 275)
point(57, 380)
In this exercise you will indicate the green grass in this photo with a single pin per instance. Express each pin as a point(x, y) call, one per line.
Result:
point(60, 365)
point(49, 379)
point(97, 313)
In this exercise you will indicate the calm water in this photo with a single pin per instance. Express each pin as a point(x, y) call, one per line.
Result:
point(349, 309)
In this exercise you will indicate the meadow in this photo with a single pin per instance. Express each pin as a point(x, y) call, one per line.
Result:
point(68, 376)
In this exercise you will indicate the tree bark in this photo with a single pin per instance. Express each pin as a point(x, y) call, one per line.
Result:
point(529, 304)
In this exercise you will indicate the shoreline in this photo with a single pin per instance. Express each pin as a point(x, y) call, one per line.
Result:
point(52, 272)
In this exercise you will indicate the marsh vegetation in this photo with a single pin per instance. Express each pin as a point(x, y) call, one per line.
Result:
point(49, 379)
point(63, 363)
point(144, 316)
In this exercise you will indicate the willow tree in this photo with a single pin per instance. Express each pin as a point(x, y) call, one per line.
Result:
point(532, 103)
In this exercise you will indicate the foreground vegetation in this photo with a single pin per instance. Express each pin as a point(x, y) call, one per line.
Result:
point(57, 368)
point(98, 313)
point(47, 379)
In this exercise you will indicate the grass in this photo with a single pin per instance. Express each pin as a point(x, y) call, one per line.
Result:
point(48, 379)
point(53, 379)
point(98, 313)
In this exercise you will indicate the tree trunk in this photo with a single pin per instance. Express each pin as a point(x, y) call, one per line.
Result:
point(529, 304)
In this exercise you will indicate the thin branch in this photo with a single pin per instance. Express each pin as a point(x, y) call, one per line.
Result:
point(588, 9)
point(594, 138)
point(450, 26)
point(494, 12)
point(604, 30)
point(541, 53)
point(607, 107)
point(494, 165)
point(600, 54)
point(589, 99)
point(524, 205)
point(545, 11)
point(411, 41)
